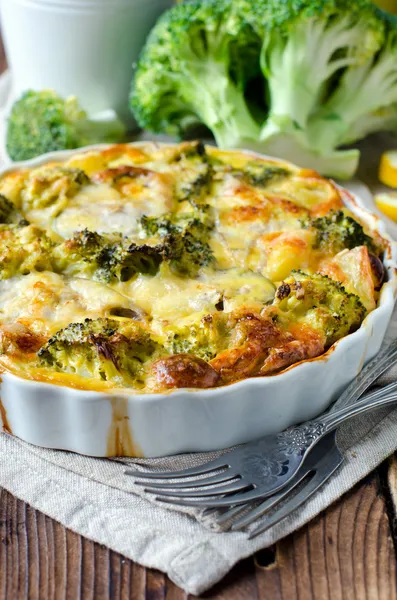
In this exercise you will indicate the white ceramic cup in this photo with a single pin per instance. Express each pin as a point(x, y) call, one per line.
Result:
point(78, 47)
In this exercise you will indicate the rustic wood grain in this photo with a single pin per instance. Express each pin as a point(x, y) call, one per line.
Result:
point(346, 553)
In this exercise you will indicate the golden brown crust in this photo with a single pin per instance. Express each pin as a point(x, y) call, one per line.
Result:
point(184, 371)
point(255, 227)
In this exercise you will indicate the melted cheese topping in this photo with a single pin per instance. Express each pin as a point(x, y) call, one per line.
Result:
point(255, 211)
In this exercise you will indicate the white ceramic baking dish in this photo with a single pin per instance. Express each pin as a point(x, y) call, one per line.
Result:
point(128, 424)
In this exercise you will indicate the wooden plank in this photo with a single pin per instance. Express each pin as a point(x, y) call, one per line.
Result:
point(345, 554)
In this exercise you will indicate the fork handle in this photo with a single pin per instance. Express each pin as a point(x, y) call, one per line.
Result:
point(370, 373)
point(333, 420)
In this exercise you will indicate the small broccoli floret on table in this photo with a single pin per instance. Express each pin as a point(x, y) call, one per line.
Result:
point(23, 248)
point(321, 303)
point(338, 231)
point(42, 122)
point(106, 349)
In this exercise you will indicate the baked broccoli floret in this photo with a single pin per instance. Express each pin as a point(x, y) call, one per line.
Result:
point(43, 122)
point(337, 231)
point(52, 185)
point(188, 251)
point(260, 174)
point(194, 174)
point(106, 349)
point(162, 226)
point(204, 339)
point(321, 303)
point(106, 257)
point(8, 211)
point(23, 248)
point(135, 259)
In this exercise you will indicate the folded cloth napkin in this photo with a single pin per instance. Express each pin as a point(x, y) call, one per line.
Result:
point(94, 498)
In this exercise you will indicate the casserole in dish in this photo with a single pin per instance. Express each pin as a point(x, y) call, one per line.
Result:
point(157, 298)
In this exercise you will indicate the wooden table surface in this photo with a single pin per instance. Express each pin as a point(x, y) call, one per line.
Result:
point(347, 553)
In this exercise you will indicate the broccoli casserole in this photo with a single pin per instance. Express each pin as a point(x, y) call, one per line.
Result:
point(152, 267)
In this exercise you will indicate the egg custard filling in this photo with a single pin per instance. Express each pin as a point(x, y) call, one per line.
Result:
point(155, 267)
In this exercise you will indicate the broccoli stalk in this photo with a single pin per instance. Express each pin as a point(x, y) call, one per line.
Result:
point(193, 70)
point(302, 59)
point(42, 122)
point(365, 101)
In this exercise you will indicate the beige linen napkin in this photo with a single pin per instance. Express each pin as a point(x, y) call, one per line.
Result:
point(94, 498)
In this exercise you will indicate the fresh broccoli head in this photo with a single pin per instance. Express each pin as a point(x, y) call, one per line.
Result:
point(337, 231)
point(42, 122)
point(307, 46)
point(194, 69)
point(106, 257)
point(23, 249)
point(292, 78)
point(321, 303)
point(106, 349)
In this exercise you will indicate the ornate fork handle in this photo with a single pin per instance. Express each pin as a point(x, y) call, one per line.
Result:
point(302, 437)
point(369, 374)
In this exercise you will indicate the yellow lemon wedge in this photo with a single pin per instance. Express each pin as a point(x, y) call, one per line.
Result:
point(387, 203)
point(388, 168)
point(389, 5)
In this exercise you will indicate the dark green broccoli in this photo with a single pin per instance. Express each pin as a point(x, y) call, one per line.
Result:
point(106, 257)
point(337, 231)
point(106, 349)
point(289, 78)
point(200, 220)
point(194, 174)
point(8, 211)
point(194, 69)
point(162, 226)
point(135, 259)
point(42, 122)
point(188, 251)
point(259, 174)
point(321, 303)
point(23, 248)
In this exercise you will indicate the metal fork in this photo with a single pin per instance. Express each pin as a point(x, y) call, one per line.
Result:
point(322, 462)
point(259, 469)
